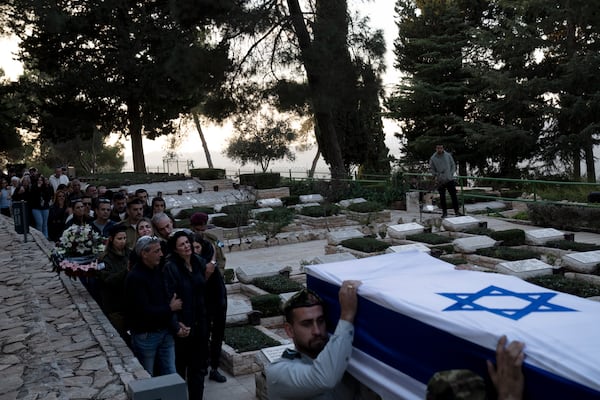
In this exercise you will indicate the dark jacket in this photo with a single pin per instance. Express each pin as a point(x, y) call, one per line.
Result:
point(190, 287)
point(56, 222)
point(40, 197)
point(112, 280)
point(147, 300)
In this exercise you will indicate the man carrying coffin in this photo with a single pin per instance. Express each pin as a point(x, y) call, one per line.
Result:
point(315, 370)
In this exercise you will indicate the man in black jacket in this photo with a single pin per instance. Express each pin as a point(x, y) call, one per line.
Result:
point(150, 311)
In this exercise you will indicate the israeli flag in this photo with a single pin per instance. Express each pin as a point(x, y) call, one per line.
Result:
point(418, 315)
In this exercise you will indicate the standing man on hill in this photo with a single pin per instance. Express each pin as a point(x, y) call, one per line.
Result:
point(442, 168)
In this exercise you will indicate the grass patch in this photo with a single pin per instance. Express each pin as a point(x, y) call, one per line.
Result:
point(507, 253)
point(267, 304)
point(277, 284)
point(480, 231)
point(365, 207)
point(188, 212)
point(454, 260)
point(521, 216)
point(430, 238)
point(569, 245)
point(248, 338)
point(509, 237)
point(366, 244)
point(320, 211)
point(566, 285)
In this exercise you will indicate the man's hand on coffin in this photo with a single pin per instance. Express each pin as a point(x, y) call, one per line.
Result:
point(348, 300)
point(507, 375)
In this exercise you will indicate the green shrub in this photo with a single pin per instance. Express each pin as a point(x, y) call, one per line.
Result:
point(454, 260)
point(508, 254)
point(510, 237)
point(248, 338)
point(264, 180)
point(366, 244)
point(480, 231)
point(228, 221)
point(267, 304)
point(228, 275)
point(290, 200)
point(511, 194)
point(566, 285)
point(521, 215)
point(277, 284)
point(570, 245)
point(188, 212)
point(276, 215)
point(564, 216)
point(326, 210)
point(237, 209)
point(208, 174)
point(445, 249)
point(365, 207)
point(430, 238)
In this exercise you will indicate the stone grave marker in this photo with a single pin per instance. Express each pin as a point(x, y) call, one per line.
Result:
point(473, 243)
point(460, 224)
point(255, 211)
point(412, 202)
point(400, 231)
point(272, 202)
point(408, 247)
point(311, 198)
point(336, 237)
point(302, 205)
point(238, 307)
point(164, 387)
point(584, 262)
point(525, 268)
point(542, 236)
point(346, 203)
point(247, 273)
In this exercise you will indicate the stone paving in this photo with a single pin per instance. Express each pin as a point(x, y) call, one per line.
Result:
point(55, 343)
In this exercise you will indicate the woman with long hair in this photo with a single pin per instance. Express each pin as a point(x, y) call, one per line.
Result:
point(57, 215)
point(112, 278)
point(184, 273)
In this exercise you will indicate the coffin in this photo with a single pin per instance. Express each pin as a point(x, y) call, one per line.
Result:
point(418, 315)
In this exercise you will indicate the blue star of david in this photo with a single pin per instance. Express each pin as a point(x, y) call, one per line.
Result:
point(538, 302)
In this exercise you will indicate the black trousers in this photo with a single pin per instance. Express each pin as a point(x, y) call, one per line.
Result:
point(451, 187)
point(190, 363)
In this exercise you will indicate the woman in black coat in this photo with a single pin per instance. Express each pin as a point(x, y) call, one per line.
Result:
point(185, 279)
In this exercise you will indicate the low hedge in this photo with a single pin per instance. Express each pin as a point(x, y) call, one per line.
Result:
point(570, 245)
point(430, 238)
point(248, 338)
point(264, 180)
point(566, 285)
point(277, 284)
point(366, 244)
point(188, 212)
point(365, 207)
point(290, 200)
point(509, 237)
point(228, 221)
point(320, 211)
point(208, 174)
point(564, 216)
point(267, 304)
point(507, 253)
point(276, 215)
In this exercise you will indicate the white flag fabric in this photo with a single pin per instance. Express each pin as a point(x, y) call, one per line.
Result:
point(418, 315)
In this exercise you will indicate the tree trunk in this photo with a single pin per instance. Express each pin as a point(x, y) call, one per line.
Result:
point(589, 161)
point(135, 131)
point(313, 167)
point(202, 139)
point(327, 138)
point(576, 165)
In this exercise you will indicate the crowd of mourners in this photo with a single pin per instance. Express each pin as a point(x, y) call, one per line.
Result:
point(161, 288)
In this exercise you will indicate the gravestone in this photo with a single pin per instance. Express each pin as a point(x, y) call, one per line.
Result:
point(302, 205)
point(460, 224)
point(408, 247)
point(542, 236)
point(525, 269)
point(346, 203)
point(273, 202)
point(331, 258)
point(336, 237)
point(585, 262)
point(166, 387)
point(412, 202)
point(400, 231)
point(247, 273)
point(473, 243)
point(211, 216)
point(255, 211)
point(311, 198)
point(238, 307)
